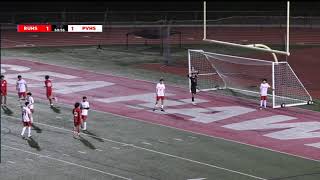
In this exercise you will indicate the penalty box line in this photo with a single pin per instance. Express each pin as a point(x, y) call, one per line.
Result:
point(157, 152)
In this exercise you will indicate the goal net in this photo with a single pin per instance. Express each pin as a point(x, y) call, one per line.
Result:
point(241, 74)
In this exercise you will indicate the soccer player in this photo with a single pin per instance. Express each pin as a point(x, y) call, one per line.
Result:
point(3, 93)
point(76, 119)
point(22, 88)
point(48, 86)
point(264, 93)
point(160, 91)
point(26, 119)
point(84, 111)
point(193, 79)
point(30, 100)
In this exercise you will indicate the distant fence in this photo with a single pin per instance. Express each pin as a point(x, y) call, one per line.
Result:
point(118, 18)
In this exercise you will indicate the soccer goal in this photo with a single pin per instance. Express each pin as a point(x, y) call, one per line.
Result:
point(222, 71)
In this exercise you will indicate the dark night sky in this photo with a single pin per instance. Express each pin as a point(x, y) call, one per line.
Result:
point(91, 6)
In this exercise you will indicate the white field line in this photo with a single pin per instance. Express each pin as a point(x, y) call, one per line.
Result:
point(66, 162)
point(157, 152)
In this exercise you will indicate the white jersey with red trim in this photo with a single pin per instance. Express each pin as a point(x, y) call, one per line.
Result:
point(160, 89)
point(264, 89)
point(31, 101)
point(26, 114)
point(21, 85)
point(84, 105)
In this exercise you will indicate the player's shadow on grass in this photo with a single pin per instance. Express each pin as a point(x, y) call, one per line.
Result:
point(36, 128)
point(7, 110)
point(34, 144)
point(87, 143)
point(92, 135)
point(55, 109)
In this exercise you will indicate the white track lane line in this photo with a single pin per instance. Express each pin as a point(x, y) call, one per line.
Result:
point(157, 152)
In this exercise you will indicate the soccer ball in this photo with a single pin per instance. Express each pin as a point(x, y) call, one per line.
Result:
point(283, 105)
point(310, 102)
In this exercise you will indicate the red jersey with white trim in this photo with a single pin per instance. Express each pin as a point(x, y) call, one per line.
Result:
point(3, 86)
point(76, 114)
point(48, 84)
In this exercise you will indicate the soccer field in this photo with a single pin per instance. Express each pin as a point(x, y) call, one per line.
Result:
point(117, 147)
point(126, 141)
point(240, 99)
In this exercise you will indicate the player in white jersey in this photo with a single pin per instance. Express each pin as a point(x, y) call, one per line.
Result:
point(31, 104)
point(26, 119)
point(160, 92)
point(84, 111)
point(264, 86)
point(22, 88)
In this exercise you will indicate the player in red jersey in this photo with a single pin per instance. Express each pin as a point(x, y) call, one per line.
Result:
point(3, 91)
point(77, 121)
point(48, 86)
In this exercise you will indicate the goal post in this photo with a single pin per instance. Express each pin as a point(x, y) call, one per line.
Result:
point(258, 48)
point(244, 75)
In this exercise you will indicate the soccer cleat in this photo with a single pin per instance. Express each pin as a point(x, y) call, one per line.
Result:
point(194, 103)
point(162, 109)
point(153, 109)
point(29, 136)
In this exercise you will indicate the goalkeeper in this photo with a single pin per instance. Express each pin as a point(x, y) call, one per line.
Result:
point(193, 76)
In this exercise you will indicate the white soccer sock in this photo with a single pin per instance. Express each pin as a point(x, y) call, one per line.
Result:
point(161, 106)
point(261, 103)
point(85, 125)
point(29, 131)
point(23, 130)
point(265, 103)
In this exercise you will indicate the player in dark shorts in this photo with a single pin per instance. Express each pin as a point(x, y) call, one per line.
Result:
point(193, 79)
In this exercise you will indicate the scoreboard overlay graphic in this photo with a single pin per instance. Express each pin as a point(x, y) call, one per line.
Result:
point(46, 28)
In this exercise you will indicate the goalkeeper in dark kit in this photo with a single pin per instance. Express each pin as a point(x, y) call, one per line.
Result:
point(193, 76)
